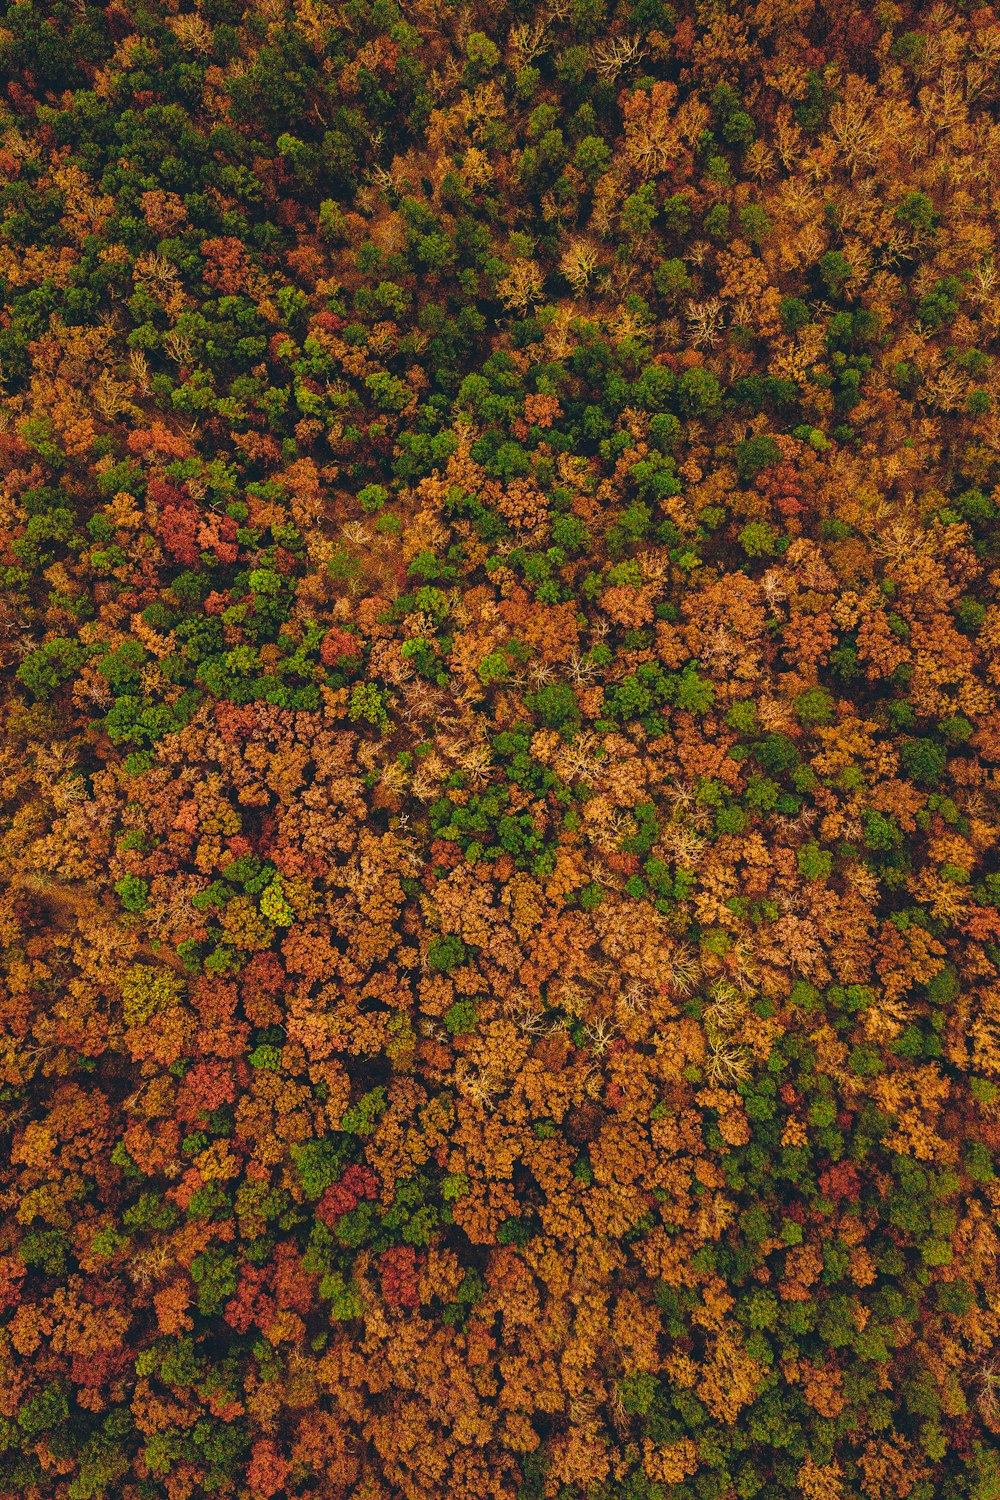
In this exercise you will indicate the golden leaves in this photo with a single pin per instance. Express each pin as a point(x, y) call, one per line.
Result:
point(822, 1388)
point(521, 285)
point(729, 1378)
point(523, 896)
point(670, 1464)
point(820, 1482)
point(35, 1146)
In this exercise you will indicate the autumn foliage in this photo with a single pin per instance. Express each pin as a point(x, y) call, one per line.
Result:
point(499, 750)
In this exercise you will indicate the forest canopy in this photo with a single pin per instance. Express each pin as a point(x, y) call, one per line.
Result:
point(499, 750)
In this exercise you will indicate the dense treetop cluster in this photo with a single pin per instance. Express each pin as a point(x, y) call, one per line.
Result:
point(499, 750)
